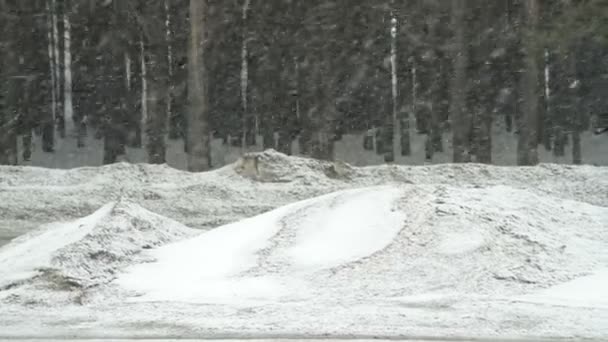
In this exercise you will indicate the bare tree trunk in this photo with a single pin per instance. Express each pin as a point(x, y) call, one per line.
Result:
point(134, 101)
point(575, 112)
point(173, 115)
point(389, 155)
point(247, 119)
point(322, 142)
point(405, 117)
point(9, 61)
point(57, 24)
point(48, 124)
point(460, 119)
point(27, 145)
point(577, 154)
point(113, 82)
point(548, 133)
point(157, 80)
point(527, 147)
point(67, 54)
point(8, 119)
point(134, 79)
point(267, 117)
point(197, 137)
point(144, 90)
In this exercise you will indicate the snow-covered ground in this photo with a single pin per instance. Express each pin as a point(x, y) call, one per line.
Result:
point(439, 251)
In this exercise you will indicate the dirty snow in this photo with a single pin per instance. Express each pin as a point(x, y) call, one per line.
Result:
point(304, 247)
point(78, 258)
point(26, 256)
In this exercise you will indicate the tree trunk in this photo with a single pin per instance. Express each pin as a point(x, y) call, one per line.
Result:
point(247, 116)
point(574, 99)
point(267, 117)
point(322, 139)
point(58, 63)
point(548, 133)
point(577, 154)
point(322, 144)
point(134, 98)
point(83, 62)
point(67, 54)
point(460, 119)
point(48, 123)
point(436, 111)
point(405, 117)
point(391, 120)
point(112, 83)
point(8, 71)
point(157, 80)
point(527, 147)
point(27, 145)
point(198, 137)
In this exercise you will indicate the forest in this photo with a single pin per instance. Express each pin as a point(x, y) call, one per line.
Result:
point(140, 74)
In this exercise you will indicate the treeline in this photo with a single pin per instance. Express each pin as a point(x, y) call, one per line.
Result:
point(138, 72)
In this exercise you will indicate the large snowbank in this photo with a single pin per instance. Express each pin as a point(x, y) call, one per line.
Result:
point(450, 250)
point(250, 259)
point(381, 244)
point(255, 184)
point(68, 261)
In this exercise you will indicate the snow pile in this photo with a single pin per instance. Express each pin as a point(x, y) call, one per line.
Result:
point(383, 244)
point(273, 166)
point(451, 250)
point(81, 255)
point(250, 259)
point(259, 182)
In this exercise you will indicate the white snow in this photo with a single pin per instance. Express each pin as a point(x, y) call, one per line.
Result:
point(588, 291)
point(82, 254)
point(455, 243)
point(385, 243)
point(296, 247)
point(24, 257)
point(328, 231)
point(364, 222)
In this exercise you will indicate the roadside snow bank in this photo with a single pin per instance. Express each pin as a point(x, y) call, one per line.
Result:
point(77, 256)
point(380, 244)
point(259, 182)
point(447, 250)
point(26, 256)
point(253, 259)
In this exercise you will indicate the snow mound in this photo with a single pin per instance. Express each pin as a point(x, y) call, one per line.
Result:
point(275, 167)
point(238, 263)
point(259, 182)
point(85, 253)
point(383, 243)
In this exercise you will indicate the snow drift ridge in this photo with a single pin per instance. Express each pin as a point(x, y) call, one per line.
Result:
point(382, 243)
point(87, 252)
